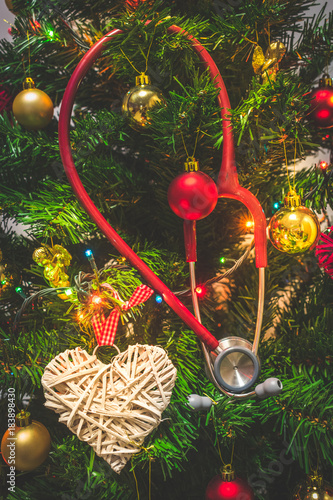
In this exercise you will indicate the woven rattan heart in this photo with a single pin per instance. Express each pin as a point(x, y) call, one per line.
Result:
point(111, 407)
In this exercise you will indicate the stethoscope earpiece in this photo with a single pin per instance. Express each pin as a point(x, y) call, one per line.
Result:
point(271, 387)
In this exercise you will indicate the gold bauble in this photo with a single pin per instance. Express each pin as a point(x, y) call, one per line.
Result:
point(54, 260)
point(139, 100)
point(32, 108)
point(294, 228)
point(314, 489)
point(26, 445)
point(9, 4)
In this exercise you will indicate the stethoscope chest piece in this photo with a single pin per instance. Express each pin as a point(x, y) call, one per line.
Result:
point(236, 367)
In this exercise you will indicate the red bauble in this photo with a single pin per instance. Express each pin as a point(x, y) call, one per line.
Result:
point(133, 4)
point(192, 195)
point(220, 489)
point(6, 100)
point(321, 107)
point(324, 251)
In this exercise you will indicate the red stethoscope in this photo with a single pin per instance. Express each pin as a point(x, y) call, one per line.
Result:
point(232, 363)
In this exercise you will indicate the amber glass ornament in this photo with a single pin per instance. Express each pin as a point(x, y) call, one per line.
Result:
point(54, 259)
point(26, 445)
point(9, 278)
point(268, 65)
point(294, 228)
point(139, 100)
point(313, 489)
point(32, 108)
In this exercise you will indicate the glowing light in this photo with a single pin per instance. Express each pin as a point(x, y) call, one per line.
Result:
point(158, 299)
point(222, 260)
point(229, 490)
point(50, 33)
point(249, 224)
point(80, 316)
point(292, 217)
point(276, 205)
point(88, 253)
point(323, 94)
point(21, 293)
point(323, 113)
point(323, 165)
point(96, 299)
point(3, 282)
point(68, 291)
point(200, 290)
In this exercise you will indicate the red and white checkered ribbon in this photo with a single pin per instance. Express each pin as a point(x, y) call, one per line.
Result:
point(105, 328)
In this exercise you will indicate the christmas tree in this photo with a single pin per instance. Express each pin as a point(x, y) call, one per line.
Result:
point(99, 308)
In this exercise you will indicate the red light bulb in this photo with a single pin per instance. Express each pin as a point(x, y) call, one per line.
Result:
point(323, 165)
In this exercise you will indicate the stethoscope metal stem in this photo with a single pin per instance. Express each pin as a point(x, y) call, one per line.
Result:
point(205, 351)
point(260, 313)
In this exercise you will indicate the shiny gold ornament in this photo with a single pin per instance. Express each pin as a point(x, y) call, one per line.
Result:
point(54, 259)
point(139, 100)
point(314, 489)
point(268, 65)
point(294, 228)
point(26, 445)
point(32, 108)
point(6, 278)
point(9, 4)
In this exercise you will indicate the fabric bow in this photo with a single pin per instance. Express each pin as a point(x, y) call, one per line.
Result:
point(324, 252)
point(105, 328)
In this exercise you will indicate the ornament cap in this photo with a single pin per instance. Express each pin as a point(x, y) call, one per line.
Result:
point(325, 81)
point(28, 83)
point(292, 200)
point(191, 164)
point(315, 480)
point(142, 79)
point(23, 419)
point(227, 472)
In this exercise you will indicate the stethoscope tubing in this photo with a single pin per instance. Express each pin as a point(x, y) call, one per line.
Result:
point(227, 180)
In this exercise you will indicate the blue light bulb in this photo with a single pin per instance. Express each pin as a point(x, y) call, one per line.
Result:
point(158, 299)
point(88, 253)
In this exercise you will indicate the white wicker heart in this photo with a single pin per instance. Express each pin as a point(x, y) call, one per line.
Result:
point(111, 407)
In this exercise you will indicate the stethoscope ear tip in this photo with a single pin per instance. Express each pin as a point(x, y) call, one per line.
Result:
point(271, 387)
point(198, 403)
